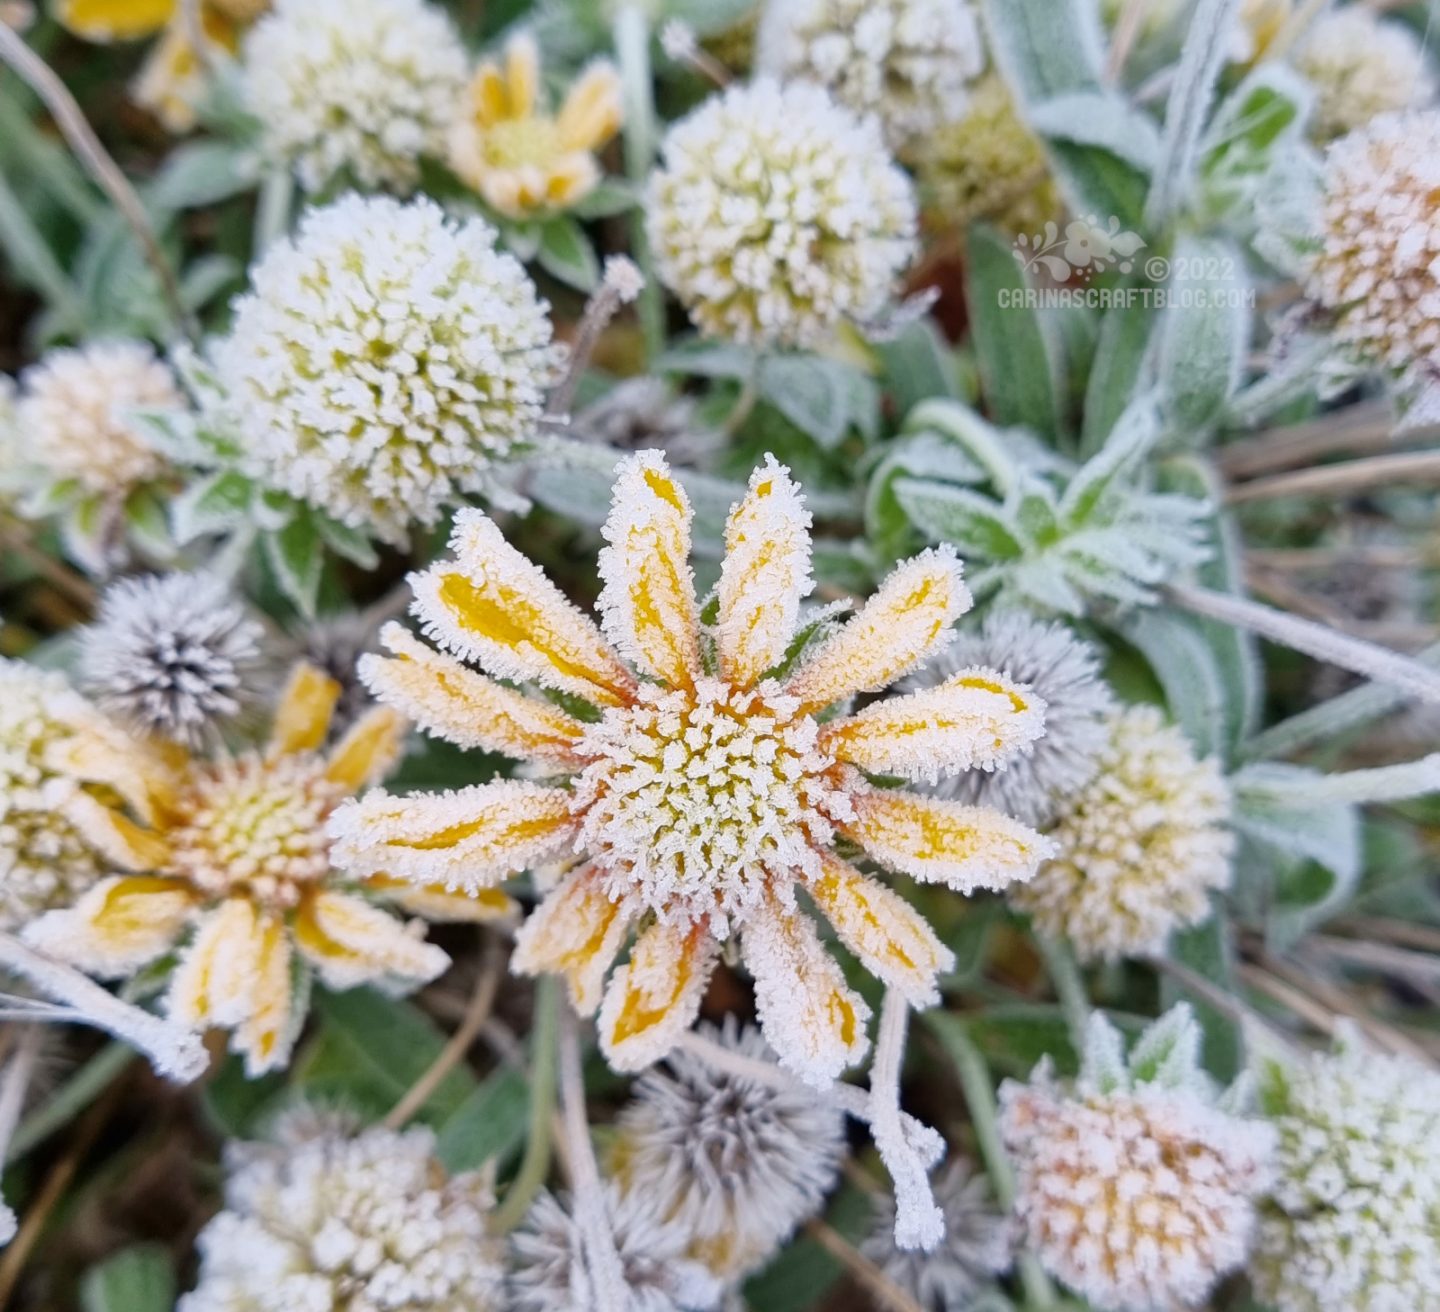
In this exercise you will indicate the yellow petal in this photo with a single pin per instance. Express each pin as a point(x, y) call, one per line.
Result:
point(350, 943)
point(114, 20)
point(303, 717)
point(569, 179)
point(812, 1019)
point(591, 114)
point(117, 926)
point(648, 602)
point(765, 575)
point(171, 80)
point(522, 74)
point(468, 839)
point(267, 1034)
point(116, 837)
point(575, 932)
point(144, 774)
point(977, 720)
point(884, 931)
point(435, 902)
point(907, 620)
point(367, 752)
point(467, 709)
point(501, 189)
point(963, 847)
point(217, 978)
point(490, 104)
point(655, 996)
point(494, 607)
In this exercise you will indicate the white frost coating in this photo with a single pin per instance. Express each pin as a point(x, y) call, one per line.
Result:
point(1362, 66)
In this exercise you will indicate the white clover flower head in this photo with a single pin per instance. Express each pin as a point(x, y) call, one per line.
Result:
point(776, 215)
point(1353, 1220)
point(548, 1272)
point(74, 420)
point(974, 1249)
point(1138, 1186)
point(1377, 268)
point(45, 861)
point(1142, 845)
point(1064, 671)
point(172, 654)
point(385, 358)
point(622, 277)
point(332, 1220)
point(907, 63)
point(735, 1163)
point(357, 88)
point(678, 40)
point(1361, 65)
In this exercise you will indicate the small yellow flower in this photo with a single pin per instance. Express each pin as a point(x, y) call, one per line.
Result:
point(701, 788)
point(236, 847)
point(521, 160)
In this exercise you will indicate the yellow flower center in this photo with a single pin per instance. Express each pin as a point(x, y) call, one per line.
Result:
point(255, 827)
point(515, 142)
point(694, 800)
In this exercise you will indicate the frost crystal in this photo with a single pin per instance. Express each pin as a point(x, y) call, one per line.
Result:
point(906, 62)
point(1362, 66)
point(735, 1163)
point(1142, 845)
point(357, 88)
point(776, 215)
point(1138, 1186)
point(385, 358)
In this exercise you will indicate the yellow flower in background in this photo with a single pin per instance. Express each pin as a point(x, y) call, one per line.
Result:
point(236, 849)
point(701, 785)
point(522, 160)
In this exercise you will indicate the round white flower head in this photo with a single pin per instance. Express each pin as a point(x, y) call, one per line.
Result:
point(1361, 66)
point(385, 357)
point(548, 1271)
point(974, 1249)
point(735, 1163)
point(358, 87)
point(1065, 672)
point(1141, 845)
point(44, 862)
point(1376, 267)
point(906, 62)
point(73, 417)
point(777, 214)
point(1353, 1220)
point(171, 654)
point(1138, 1186)
point(327, 1220)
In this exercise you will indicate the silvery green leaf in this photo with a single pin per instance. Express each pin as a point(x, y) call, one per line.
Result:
point(1204, 338)
point(917, 365)
point(1134, 433)
point(1167, 1054)
point(972, 523)
point(203, 172)
point(1117, 372)
point(565, 252)
point(993, 451)
point(820, 397)
point(1285, 381)
point(1266, 111)
point(610, 197)
point(1043, 582)
point(707, 359)
point(172, 433)
point(205, 278)
point(1188, 671)
point(1101, 119)
point(345, 541)
point(297, 558)
point(136, 1279)
point(1103, 1068)
point(145, 522)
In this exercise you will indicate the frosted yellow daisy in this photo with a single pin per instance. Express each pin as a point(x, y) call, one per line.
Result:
point(522, 160)
point(236, 848)
point(698, 785)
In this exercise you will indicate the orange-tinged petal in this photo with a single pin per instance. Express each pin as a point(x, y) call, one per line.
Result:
point(115, 836)
point(468, 839)
point(884, 931)
point(591, 114)
point(575, 932)
point(522, 74)
point(367, 752)
point(303, 717)
point(437, 903)
point(976, 720)
point(117, 926)
point(908, 619)
point(350, 942)
point(114, 20)
point(811, 1017)
point(648, 602)
point(215, 982)
point(655, 996)
point(489, 100)
point(929, 838)
point(268, 1033)
point(144, 774)
point(765, 575)
point(465, 708)
point(493, 606)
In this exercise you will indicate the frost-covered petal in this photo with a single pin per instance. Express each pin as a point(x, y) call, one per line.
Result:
point(493, 606)
point(115, 836)
point(591, 113)
point(118, 926)
point(765, 574)
point(302, 719)
point(465, 708)
point(884, 931)
point(907, 620)
point(655, 996)
point(974, 721)
point(647, 605)
point(468, 839)
point(810, 1016)
point(576, 931)
point(114, 20)
point(368, 750)
point(963, 847)
point(436, 902)
point(350, 942)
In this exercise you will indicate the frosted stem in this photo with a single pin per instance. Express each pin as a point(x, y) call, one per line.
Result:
point(14, 1082)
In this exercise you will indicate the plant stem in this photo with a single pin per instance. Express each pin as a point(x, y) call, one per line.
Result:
point(535, 1164)
point(272, 211)
point(887, 1294)
point(1358, 428)
point(632, 51)
point(62, 1105)
point(1069, 987)
point(1407, 467)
